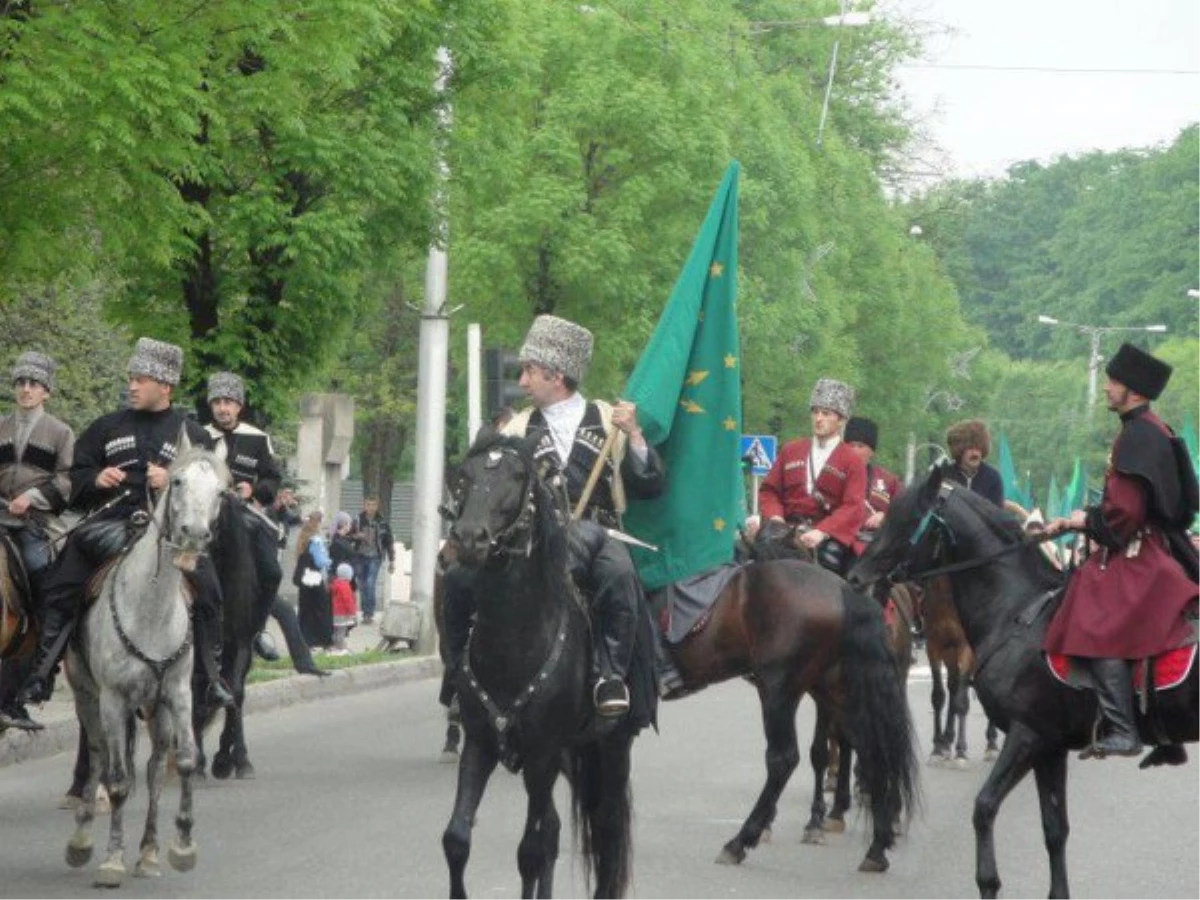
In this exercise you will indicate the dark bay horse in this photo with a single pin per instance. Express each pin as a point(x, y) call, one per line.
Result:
point(524, 686)
point(950, 652)
point(1004, 589)
point(795, 629)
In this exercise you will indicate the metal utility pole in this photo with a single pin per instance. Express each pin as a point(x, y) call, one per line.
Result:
point(474, 400)
point(431, 408)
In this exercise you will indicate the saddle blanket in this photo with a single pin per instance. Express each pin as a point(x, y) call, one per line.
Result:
point(1170, 668)
point(681, 608)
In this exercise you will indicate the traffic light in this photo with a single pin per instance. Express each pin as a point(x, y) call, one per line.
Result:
point(501, 372)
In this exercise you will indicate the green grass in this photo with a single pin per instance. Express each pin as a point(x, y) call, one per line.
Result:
point(263, 671)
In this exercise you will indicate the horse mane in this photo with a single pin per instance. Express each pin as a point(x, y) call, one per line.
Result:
point(1008, 530)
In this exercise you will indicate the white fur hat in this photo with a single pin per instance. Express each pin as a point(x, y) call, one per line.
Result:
point(831, 394)
point(558, 345)
point(226, 385)
point(36, 367)
point(156, 359)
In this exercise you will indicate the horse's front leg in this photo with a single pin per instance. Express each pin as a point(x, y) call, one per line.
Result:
point(160, 738)
point(1014, 763)
point(961, 703)
point(176, 709)
point(87, 711)
point(537, 853)
point(475, 767)
point(233, 757)
point(783, 755)
point(937, 696)
point(119, 780)
point(1050, 770)
point(992, 735)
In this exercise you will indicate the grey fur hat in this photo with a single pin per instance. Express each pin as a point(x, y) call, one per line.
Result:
point(226, 385)
point(36, 367)
point(156, 359)
point(831, 394)
point(559, 345)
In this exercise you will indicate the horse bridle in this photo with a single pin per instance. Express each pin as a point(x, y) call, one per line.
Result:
point(933, 520)
point(515, 538)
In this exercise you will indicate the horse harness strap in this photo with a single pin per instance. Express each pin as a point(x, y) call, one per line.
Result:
point(501, 720)
point(157, 666)
point(1025, 619)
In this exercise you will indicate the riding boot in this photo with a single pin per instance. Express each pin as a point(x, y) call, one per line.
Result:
point(617, 626)
point(670, 682)
point(302, 660)
point(56, 631)
point(208, 652)
point(13, 714)
point(1114, 690)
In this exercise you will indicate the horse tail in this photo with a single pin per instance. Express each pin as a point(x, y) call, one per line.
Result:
point(877, 716)
point(602, 811)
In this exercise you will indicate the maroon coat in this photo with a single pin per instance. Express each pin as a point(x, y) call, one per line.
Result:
point(1127, 601)
point(882, 488)
point(840, 508)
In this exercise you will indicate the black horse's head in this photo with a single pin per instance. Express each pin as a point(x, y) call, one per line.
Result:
point(495, 490)
point(912, 538)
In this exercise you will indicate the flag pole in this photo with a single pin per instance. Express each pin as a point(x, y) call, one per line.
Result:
point(605, 451)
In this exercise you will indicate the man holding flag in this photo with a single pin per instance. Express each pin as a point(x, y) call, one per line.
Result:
point(599, 451)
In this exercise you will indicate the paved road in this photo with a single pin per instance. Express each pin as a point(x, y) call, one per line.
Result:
point(351, 802)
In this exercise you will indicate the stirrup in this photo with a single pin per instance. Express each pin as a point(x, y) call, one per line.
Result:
point(611, 697)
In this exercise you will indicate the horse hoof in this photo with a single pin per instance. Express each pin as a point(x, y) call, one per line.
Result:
point(79, 852)
point(937, 759)
point(222, 766)
point(813, 835)
point(109, 875)
point(245, 772)
point(182, 859)
point(961, 763)
point(765, 837)
point(448, 756)
point(147, 869)
point(728, 857)
point(873, 865)
point(991, 755)
point(834, 826)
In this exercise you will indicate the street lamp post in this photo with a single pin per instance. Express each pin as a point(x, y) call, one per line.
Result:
point(1095, 332)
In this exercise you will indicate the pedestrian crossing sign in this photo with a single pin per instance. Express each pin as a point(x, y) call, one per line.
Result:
point(758, 451)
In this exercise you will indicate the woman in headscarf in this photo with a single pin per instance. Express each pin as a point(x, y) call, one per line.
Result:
point(312, 564)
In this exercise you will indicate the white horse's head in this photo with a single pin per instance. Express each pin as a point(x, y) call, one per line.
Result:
point(191, 503)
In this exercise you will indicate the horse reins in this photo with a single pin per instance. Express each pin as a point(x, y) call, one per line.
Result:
point(933, 515)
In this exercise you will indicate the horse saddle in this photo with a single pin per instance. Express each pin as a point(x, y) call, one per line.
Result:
point(101, 539)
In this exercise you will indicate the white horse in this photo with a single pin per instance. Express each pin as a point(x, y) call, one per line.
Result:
point(136, 653)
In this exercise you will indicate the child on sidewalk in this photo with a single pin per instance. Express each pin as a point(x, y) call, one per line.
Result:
point(345, 610)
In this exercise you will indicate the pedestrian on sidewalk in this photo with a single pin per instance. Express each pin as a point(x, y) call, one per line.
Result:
point(374, 543)
point(345, 610)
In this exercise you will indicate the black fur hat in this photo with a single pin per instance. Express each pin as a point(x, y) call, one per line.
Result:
point(1139, 371)
point(862, 431)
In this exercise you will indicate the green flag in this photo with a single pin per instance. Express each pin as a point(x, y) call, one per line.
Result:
point(1075, 494)
point(1189, 440)
point(687, 387)
point(1008, 474)
point(1053, 499)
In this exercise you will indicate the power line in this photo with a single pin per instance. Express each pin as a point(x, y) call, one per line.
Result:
point(1061, 70)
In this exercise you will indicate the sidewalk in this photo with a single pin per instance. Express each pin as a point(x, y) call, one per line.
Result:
point(61, 732)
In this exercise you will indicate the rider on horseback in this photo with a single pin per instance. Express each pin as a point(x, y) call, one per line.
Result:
point(121, 459)
point(571, 433)
point(35, 463)
point(819, 482)
point(1126, 601)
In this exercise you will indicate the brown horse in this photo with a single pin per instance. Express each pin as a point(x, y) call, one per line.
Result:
point(18, 625)
point(947, 647)
point(798, 629)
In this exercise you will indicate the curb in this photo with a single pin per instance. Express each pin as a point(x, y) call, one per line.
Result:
point(63, 736)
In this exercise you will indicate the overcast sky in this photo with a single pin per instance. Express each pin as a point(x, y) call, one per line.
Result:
point(1007, 80)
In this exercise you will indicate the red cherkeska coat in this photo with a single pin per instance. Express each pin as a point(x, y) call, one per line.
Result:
point(882, 488)
point(1124, 603)
point(840, 509)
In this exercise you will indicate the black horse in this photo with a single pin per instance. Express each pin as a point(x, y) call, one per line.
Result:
point(524, 687)
point(1005, 592)
point(244, 616)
